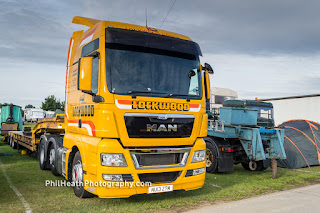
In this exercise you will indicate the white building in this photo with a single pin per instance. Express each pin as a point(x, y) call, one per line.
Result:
point(305, 107)
point(219, 95)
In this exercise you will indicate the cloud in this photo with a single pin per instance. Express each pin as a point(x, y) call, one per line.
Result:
point(258, 48)
point(34, 32)
point(266, 77)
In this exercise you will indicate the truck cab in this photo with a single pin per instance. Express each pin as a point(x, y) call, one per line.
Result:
point(135, 112)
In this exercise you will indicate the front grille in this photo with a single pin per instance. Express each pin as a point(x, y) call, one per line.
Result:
point(159, 159)
point(127, 177)
point(164, 177)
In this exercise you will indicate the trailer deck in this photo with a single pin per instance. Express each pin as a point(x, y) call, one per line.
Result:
point(29, 139)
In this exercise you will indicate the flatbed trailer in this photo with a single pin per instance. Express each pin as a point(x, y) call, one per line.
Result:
point(29, 139)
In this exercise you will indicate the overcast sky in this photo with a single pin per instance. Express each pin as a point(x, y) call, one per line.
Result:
point(268, 48)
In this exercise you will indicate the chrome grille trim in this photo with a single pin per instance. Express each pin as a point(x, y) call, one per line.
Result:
point(183, 162)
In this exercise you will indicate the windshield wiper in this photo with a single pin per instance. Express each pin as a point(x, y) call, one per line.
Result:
point(182, 95)
point(174, 95)
point(133, 92)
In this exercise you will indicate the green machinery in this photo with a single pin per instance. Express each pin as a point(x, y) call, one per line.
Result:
point(11, 119)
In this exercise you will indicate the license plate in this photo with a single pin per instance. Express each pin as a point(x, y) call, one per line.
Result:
point(159, 189)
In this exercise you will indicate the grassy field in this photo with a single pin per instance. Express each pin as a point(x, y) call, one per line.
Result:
point(30, 181)
point(29, 125)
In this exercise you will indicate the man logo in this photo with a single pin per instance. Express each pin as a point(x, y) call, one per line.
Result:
point(162, 128)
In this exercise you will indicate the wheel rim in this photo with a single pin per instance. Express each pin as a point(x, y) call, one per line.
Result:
point(51, 156)
point(77, 174)
point(42, 154)
point(209, 158)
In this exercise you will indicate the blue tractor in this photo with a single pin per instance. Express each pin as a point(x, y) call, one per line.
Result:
point(242, 131)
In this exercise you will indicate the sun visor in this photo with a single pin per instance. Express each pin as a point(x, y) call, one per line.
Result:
point(150, 40)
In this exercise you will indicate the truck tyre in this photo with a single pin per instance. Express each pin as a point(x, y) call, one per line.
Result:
point(211, 156)
point(77, 178)
point(52, 154)
point(42, 156)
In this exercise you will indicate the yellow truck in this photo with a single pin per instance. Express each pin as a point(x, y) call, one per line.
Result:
point(135, 112)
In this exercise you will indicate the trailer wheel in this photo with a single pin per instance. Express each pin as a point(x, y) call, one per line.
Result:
point(77, 178)
point(211, 156)
point(9, 140)
point(42, 157)
point(13, 143)
point(53, 158)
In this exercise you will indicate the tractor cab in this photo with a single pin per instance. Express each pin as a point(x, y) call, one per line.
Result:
point(265, 110)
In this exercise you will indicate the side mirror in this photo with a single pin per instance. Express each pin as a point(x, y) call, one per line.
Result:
point(85, 74)
point(208, 68)
point(207, 85)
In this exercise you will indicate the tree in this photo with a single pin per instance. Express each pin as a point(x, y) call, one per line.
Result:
point(29, 106)
point(51, 104)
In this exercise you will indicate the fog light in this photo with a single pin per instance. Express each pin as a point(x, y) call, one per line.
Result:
point(198, 171)
point(112, 177)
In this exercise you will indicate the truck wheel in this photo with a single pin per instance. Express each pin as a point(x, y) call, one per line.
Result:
point(77, 178)
point(42, 157)
point(211, 157)
point(53, 158)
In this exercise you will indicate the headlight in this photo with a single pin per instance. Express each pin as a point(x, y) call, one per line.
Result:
point(112, 159)
point(198, 156)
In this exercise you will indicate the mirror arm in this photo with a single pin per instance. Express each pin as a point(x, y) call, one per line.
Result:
point(88, 92)
point(95, 98)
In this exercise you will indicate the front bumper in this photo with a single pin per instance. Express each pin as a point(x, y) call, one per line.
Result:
point(108, 189)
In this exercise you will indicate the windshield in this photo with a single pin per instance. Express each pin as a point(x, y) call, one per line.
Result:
point(152, 72)
point(265, 116)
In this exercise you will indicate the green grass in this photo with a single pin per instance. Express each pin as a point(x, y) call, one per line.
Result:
point(30, 181)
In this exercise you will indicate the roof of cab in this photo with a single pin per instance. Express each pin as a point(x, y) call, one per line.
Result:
point(92, 22)
point(246, 103)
